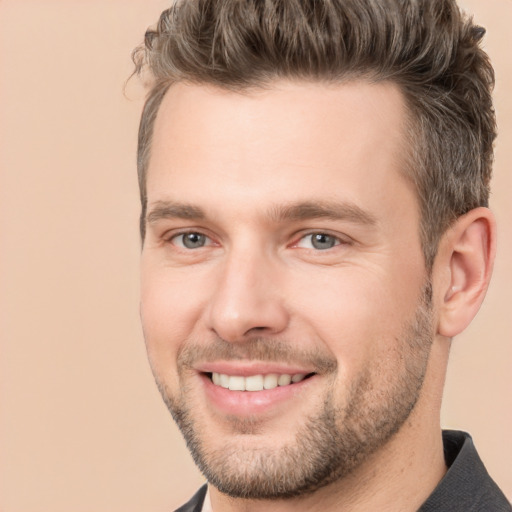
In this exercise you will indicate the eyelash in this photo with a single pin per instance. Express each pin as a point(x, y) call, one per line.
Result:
point(318, 235)
point(181, 235)
point(337, 241)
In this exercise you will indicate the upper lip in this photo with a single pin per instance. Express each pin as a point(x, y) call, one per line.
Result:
point(247, 369)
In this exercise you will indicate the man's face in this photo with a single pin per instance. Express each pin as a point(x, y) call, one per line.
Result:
point(285, 305)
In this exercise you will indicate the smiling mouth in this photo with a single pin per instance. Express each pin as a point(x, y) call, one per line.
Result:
point(256, 382)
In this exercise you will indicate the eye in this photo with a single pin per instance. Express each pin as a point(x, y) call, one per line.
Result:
point(191, 240)
point(318, 241)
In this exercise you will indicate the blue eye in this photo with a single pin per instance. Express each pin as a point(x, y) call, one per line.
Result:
point(190, 240)
point(318, 241)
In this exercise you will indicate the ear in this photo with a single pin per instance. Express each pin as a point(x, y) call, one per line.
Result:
point(464, 267)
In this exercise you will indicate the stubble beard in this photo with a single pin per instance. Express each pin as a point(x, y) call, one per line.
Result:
point(331, 443)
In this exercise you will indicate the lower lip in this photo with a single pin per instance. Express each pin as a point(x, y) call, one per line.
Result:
point(250, 403)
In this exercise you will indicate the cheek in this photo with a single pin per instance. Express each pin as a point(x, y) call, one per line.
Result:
point(170, 307)
point(357, 314)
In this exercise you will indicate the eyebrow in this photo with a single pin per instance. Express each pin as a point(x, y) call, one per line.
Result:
point(323, 210)
point(302, 210)
point(172, 210)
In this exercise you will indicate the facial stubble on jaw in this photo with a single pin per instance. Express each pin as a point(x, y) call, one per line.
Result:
point(330, 443)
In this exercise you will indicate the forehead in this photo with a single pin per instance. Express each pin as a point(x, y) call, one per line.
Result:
point(290, 141)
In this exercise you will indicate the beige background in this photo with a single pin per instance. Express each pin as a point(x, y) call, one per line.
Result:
point(82, 427)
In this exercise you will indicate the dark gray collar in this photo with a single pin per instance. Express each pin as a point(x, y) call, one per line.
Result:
point(196, 503)
point(466, 487)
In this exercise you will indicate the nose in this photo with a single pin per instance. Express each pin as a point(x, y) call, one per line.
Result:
point(247, 301)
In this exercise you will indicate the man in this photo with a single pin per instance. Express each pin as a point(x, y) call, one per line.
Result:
point(314, 180)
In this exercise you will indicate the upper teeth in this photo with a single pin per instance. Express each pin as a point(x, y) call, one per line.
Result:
point(255, 382)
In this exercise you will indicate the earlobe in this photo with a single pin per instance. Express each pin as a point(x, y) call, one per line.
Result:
point(466, 257)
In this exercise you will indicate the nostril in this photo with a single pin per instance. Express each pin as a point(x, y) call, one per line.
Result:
point(254, 331)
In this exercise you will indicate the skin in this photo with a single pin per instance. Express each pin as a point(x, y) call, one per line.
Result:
point(232, 167)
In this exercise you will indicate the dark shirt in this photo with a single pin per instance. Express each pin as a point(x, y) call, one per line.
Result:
point(196, 503)
point(466, 487)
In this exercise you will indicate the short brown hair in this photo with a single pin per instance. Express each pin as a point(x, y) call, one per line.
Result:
point(428, 47)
